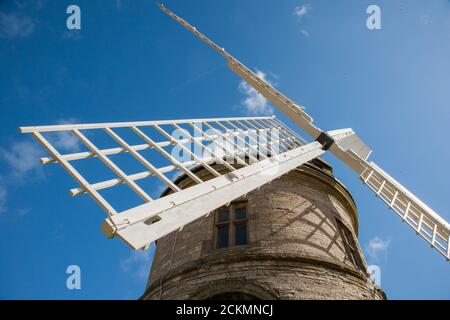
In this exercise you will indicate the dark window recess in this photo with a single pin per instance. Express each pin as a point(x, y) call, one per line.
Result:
point(351, 249)
point(231, 226)
point(241, 234)
point(224, 215)
point(240, 213)
point(223, 236)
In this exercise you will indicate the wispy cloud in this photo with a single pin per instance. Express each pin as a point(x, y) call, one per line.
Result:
point(23, 160)
point(377, 247)
point(305, 33)
point(302, 10)
point(66, 140)
point(22, 157)
point(119, 4)
point(15, 26)
point(426, 19)
point(22, 163)
point(254, 102)
point(138, 263)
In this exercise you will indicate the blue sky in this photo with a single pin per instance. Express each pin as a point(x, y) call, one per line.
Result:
point(131, 62)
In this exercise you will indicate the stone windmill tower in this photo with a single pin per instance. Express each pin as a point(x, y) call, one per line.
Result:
point(252, 212)
point(295, 238)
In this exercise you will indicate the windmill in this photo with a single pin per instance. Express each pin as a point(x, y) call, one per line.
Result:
point(261, 149)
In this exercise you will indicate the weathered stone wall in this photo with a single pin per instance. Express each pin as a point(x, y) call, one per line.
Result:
point(294, 252)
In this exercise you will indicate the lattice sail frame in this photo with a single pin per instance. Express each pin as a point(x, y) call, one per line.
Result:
point(141, 225)
point(348, 148)
point(252, 150)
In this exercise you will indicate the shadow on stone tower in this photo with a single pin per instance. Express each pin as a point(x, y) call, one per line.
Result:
point(295, 238)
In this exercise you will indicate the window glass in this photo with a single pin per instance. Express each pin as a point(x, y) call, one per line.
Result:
point(241, 234)
point(224, 215)
point(350, 246)
point(231, 226)
point(240, 213)
point(222, 236)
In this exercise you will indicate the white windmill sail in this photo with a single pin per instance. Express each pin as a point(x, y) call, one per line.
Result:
point(260, 149)
point(350, 149)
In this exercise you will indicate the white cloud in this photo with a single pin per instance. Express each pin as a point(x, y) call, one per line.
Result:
point(255, 103)
point(426, 19)
point(377, 247)
point(305, 33)
point(22, 162)
point(65, 140)
point(138, 263)
point(23, 159)
point(302, 10)
point(15, 26)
